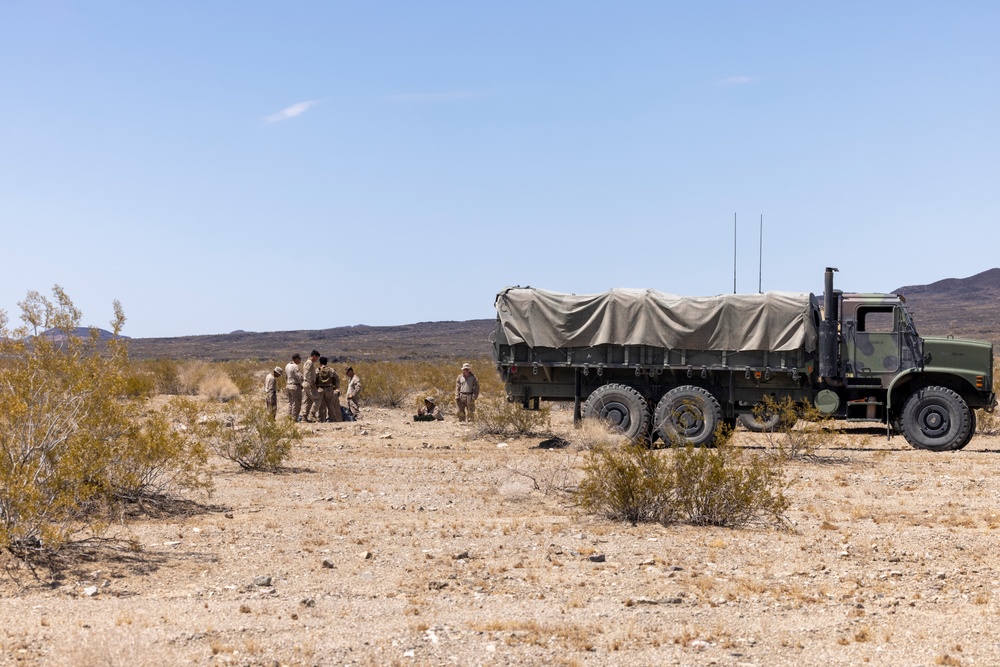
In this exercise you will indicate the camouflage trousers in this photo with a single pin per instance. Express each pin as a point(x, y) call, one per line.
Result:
point(466, 406)
point(310, 398)
point(353, 406)
point(294, 396)
point(329, 405)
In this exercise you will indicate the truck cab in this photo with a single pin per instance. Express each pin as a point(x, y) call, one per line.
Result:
point(878, 339)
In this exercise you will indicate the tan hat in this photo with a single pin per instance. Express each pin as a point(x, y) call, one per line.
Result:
point(429, 399)
point(466, 367)
point(278, 370)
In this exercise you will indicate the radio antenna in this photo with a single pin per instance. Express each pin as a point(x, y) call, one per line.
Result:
point(734, 253)
point(760, 257)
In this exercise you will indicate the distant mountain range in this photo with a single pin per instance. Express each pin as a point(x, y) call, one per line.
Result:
point(963, 307)
point(425, 340)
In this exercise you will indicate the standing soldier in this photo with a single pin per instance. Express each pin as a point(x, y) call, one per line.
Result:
point(353, 389)
point(293, 387)
point(328, 387)
point(310, 396)
point(271, 391)
point(466, 393)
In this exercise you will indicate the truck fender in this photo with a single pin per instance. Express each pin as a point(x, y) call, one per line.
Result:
point(897, 384)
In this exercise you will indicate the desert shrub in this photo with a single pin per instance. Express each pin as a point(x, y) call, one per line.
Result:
point(385, 384)
point(801, 428)
point(496, 416)
point(190, 375)
point(216, 385)
point(250, 437)
point(164, 374)
point(720, 486)
point(626, 483)
point(160, 457)
point(726, 486)
point(246, 375)
point(594, 433)
point(139, 385)
point(75, 435)
point(987, 423)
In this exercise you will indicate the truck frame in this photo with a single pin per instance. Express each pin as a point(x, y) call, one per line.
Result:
point(654, 365)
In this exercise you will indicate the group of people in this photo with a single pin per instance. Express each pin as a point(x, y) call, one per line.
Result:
point(313, 392)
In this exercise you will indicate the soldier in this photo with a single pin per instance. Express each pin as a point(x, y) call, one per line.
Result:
point(328, 387)
point(293, 387)
point(353, 390)
point(309, 394)
point(429, 412)
point(271, 391)
point(466, 393)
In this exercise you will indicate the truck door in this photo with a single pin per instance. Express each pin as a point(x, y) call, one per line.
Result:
point(877, 341)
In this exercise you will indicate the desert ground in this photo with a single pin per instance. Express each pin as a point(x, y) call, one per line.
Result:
point(393, 542)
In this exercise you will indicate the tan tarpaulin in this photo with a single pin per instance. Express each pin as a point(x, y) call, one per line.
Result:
point(778, 321)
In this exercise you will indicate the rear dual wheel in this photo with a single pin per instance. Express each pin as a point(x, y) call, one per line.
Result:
point(621, 408)
point(687, 415)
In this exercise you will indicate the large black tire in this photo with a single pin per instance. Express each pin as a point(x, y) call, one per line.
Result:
point(687, 415)
point(621, 408)
point(760, 424)
point(936, 419)
point(972, 430)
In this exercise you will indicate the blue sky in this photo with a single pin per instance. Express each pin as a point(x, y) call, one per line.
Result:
point(273, 166)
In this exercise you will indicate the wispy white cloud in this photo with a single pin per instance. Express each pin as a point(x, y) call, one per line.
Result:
point(447, 96)
point(296, 109)
point(739, 80)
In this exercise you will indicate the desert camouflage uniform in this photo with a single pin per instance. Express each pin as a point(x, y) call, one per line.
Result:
point(271, 394)
point(466, 393)
point(328, 386)
point(293, 389)
point(310, 396)
point(353, 389)
point(433, 411)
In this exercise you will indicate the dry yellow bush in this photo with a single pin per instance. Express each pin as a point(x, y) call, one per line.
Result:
point(76, 436)
point(216, 385)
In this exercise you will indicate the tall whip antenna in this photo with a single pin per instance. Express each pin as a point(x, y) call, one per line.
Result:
point(734, 253)
point(760, 257)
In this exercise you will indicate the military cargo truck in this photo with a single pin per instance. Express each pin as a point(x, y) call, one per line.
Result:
point(658, 365)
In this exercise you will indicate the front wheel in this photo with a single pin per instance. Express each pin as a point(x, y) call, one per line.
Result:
point(972, 431)
point(687, 415)
point(936, 419)
point(621, 408)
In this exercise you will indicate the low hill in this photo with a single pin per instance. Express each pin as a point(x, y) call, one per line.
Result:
point(424, 340)
point(963, 307)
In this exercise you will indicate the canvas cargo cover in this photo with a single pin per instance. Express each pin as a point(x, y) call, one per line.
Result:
point(778, 321)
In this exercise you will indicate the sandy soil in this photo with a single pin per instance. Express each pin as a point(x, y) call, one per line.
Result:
point(394, 542)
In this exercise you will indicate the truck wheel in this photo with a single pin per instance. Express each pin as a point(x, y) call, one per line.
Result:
point(972, 430)
point(763, 424)
point(687, 415)
point(621, 408)
point(936, 418)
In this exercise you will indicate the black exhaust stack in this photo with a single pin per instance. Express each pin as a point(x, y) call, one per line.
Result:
point(829, 345)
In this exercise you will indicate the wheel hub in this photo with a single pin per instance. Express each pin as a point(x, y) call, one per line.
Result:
point(933, 421)
point(616, 415)
point(688, 420)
